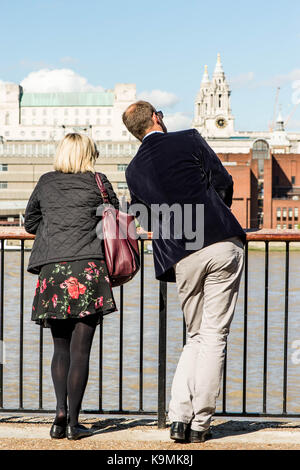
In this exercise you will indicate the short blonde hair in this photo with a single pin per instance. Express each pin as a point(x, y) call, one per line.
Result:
point(76, 153)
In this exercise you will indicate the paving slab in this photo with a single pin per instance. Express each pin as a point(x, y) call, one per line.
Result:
point(122, 433)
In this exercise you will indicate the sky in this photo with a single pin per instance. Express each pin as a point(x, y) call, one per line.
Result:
point(162, 47)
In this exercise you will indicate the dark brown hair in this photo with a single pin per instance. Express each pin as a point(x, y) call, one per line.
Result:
point(138, 118)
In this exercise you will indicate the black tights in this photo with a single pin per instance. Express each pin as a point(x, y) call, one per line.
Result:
point(70, 364)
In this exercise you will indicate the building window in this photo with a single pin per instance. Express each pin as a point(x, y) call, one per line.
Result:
point(296, 213)
point(290, 226)
point(278, 226)
point(122, 166)
point(3, 184)
point(284, 226)
point(296, 227)
point(122, 185)
point(3, 167)
point(293, 179)
point(290, 213)
point(220, 101)
point(284, 213)
point(260, 149)
point(278, 212)
point(6, 123)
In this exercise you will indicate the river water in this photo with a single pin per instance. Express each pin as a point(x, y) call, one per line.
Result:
point(110, 396)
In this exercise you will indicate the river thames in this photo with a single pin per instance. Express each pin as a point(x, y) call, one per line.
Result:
point(131, 334)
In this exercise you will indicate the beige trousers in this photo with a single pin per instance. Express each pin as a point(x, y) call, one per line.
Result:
point(207, 283)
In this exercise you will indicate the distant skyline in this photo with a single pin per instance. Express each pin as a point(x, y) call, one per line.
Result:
point(162, 48)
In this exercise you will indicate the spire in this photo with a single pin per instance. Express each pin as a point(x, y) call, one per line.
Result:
point(205, 79)
point(219, 68)
point(280, 122)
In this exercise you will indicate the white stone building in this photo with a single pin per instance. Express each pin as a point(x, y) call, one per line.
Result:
point(48, 116)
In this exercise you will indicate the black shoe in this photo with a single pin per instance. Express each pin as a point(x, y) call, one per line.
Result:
point(199, 436)
point(179, 431)
point(57, 432)
point(78, 432)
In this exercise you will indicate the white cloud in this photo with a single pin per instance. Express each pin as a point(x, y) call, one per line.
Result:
point(242, 79)
point(68, 60)
point(177, 121)
point(159, 98)
point(279, 80)
point(57, 80)
point(35, 64)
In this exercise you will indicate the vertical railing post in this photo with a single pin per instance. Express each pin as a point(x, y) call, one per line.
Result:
point(141, 368)
point(100, 387)
point(2, 320)
point(121, 348)
point(21, 347)
point(286, 326)
point(41, 368)
point(162, 354)
point(245, 329)
point(265, 371)
point(224, 382)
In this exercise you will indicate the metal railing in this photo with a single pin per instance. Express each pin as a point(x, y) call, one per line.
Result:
point(262, 236)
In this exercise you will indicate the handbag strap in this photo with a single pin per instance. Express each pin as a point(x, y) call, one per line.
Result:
point(102, 188)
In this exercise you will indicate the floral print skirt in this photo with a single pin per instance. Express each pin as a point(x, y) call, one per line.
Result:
point(72, 289)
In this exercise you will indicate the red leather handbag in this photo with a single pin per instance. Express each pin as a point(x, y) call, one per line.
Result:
point(120, 241)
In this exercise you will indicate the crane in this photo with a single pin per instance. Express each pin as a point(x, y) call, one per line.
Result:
point(291, 113)
point(275, 108)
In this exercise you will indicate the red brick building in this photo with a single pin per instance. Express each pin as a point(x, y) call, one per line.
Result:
point(266, 188)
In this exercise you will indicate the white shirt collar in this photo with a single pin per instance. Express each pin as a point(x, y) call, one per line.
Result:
point(152, 132)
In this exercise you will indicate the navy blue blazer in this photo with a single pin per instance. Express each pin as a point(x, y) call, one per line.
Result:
point(180, 168)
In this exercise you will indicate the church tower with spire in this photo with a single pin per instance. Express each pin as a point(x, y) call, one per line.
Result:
point(212, 114)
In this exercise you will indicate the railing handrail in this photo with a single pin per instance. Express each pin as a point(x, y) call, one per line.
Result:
point(275, 235)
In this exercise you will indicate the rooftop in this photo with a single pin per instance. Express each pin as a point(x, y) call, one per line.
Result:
point(103, 98)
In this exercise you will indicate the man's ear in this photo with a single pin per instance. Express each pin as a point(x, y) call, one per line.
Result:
point(155, 119)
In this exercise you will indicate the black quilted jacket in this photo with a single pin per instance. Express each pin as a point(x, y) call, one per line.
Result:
point(61, 212)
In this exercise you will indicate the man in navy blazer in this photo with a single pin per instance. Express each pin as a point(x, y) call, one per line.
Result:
point(183, 193)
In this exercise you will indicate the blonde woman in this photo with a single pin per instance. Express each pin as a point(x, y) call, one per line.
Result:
point(73, 290)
